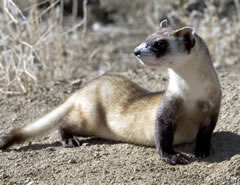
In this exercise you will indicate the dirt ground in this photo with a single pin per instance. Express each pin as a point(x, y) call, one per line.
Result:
point(45, 161)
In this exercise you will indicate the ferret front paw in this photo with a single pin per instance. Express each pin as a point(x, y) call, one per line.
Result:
point(175, 159)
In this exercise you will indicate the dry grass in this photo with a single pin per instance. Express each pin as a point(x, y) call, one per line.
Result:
point(222, 35)
point(33, 47)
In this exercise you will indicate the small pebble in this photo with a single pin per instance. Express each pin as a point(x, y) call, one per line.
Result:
point(4, 176)
point(30, 183)
point(72, 161)
point(85, 144)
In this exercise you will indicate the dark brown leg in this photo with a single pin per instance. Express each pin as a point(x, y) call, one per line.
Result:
point(67, 137)
point(203, 144)
point(164, 134)
point(165, 128)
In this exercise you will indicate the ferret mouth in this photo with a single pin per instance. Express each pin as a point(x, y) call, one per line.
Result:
point(145, 62)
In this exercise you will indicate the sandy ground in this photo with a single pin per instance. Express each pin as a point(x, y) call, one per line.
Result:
point(45, 161)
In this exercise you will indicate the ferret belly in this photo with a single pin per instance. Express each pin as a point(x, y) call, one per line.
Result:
point(130, 131)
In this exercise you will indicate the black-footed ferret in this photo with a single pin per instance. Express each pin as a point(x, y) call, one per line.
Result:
point(115, 108)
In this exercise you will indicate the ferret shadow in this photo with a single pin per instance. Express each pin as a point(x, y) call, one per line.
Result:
point(84, 141)
point(33, 147)
point(225, 145)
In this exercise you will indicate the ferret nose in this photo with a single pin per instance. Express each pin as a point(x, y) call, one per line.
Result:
point(137, 51)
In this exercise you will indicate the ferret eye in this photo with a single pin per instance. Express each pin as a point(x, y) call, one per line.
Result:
point(160, 44)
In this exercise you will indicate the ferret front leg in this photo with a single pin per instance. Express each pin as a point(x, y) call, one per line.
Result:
point(203, 143)
point(164, 133)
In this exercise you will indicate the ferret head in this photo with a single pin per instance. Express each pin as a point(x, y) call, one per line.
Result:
point(167, 47)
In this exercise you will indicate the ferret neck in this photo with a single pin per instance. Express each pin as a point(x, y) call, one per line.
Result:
point(192, 81)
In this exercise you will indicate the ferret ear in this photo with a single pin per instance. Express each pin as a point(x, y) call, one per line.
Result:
point(164, 24)
point(187, 34)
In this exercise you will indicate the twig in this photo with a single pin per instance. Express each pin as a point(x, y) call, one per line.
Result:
point(11, 92)
point(10, 4)
point(72, 29)
point(237, 4)
point(84, 32)
point(49, 8)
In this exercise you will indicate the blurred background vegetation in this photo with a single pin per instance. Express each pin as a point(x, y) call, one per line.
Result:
point(42, 40)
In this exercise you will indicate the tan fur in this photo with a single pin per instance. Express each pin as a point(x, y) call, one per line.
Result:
point(115, 108)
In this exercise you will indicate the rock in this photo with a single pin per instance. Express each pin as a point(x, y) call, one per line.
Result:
point(4, 175)
point(72, 161)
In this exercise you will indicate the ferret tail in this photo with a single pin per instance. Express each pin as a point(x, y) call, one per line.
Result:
point(38, 128)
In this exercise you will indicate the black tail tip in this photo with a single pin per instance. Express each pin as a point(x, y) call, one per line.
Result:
point(11, 139)
point(5, 142)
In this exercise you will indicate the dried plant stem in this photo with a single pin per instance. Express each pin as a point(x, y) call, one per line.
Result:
point(237, 4)
point(84, 32)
